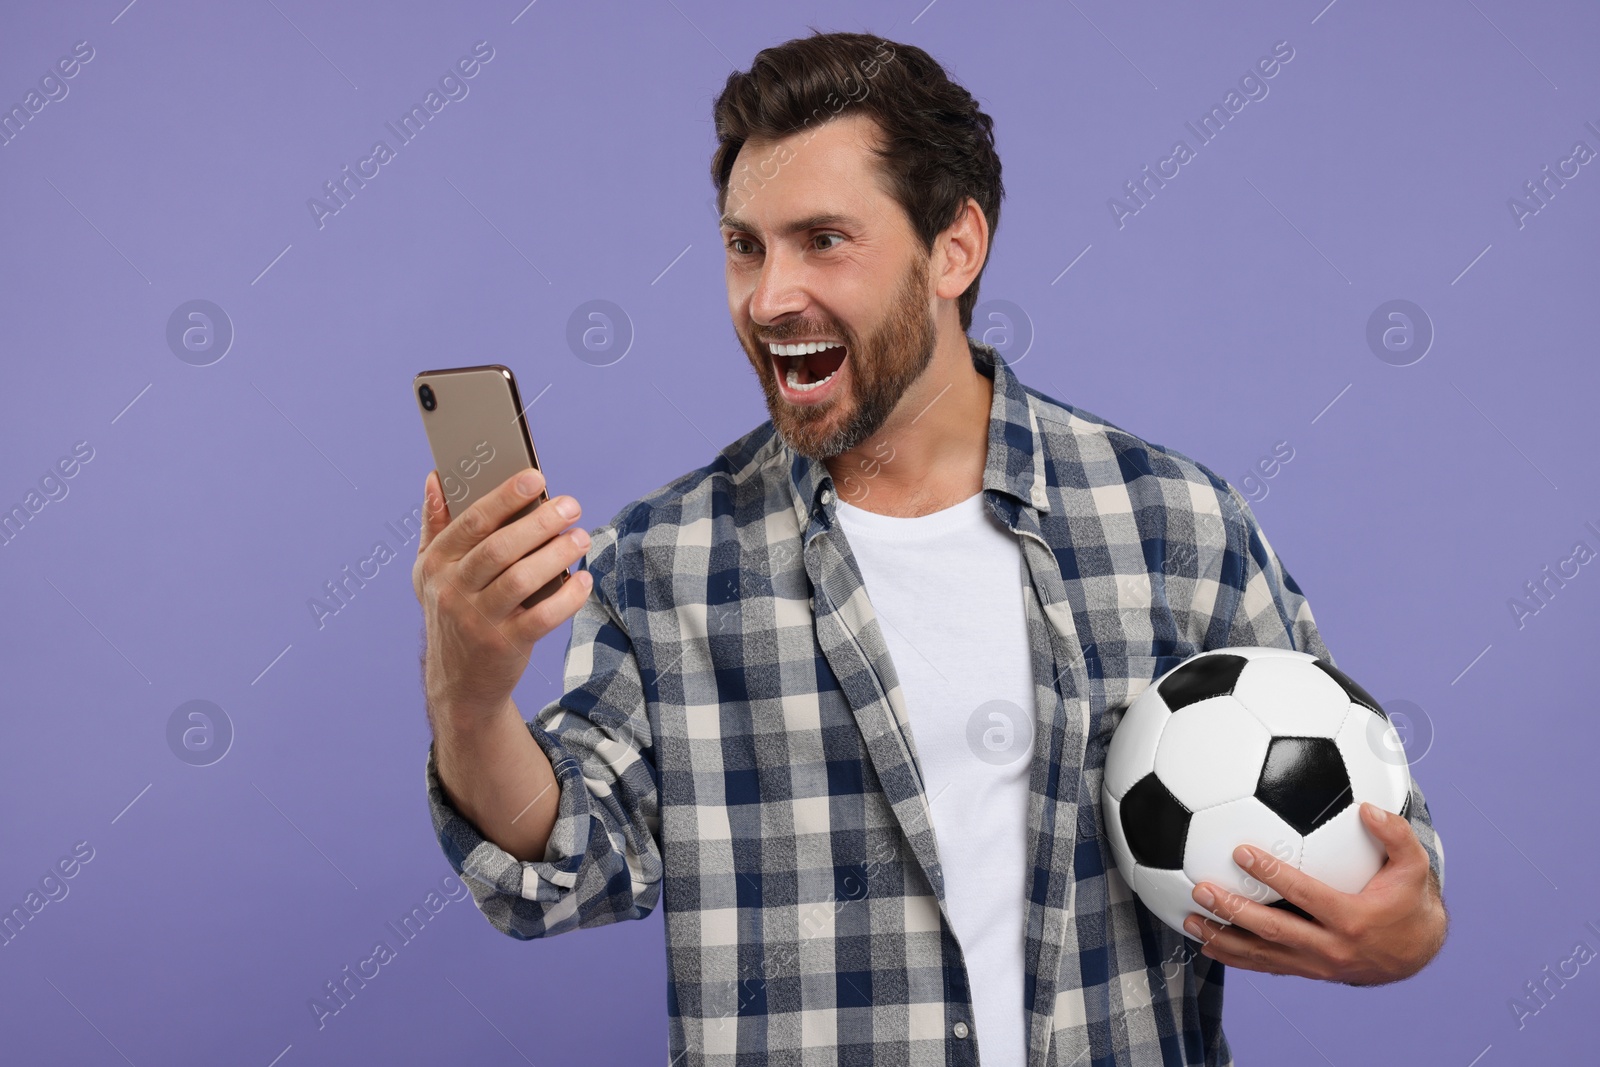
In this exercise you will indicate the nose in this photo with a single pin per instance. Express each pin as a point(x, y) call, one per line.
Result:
point(780, 288)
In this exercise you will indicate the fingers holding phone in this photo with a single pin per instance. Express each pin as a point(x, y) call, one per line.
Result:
point(521, 568)
point(508, 559)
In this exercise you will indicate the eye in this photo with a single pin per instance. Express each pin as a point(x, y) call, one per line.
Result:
point(733, 242)
point(825, 236)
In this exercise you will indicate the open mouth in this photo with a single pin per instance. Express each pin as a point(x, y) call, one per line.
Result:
point(806, 368)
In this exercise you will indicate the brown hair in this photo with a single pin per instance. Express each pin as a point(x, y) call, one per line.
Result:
point(937, 147)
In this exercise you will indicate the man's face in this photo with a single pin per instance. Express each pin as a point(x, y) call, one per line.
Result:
point(818, 251)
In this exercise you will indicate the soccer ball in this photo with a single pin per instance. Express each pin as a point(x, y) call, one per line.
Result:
point(1260, 746)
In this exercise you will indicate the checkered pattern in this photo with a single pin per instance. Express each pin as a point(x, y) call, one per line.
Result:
point(733, 741)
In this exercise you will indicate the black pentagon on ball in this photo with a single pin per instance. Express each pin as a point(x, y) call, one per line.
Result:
point(1304, 781)
point(1155, 823)
point(1356, 694)
point(1201, 678)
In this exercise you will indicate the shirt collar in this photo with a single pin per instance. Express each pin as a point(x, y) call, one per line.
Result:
point(1014, 465)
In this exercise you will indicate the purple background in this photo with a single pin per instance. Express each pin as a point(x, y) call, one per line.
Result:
point(1228, 315)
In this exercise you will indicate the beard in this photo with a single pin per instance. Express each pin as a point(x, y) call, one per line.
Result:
point(880, 368)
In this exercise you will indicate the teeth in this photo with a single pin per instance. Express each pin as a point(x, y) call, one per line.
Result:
point(793, 381)
point(800, 350)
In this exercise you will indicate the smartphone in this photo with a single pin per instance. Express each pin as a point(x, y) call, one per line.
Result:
point(478, 431)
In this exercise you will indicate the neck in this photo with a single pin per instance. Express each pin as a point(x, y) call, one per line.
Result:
point(930, 453)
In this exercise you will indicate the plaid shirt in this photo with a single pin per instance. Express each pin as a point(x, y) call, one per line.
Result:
point(734, 740)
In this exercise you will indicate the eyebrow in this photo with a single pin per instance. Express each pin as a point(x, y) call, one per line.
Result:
point(810, 222)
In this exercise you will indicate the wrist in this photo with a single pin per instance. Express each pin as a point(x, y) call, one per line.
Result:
point(469, 717)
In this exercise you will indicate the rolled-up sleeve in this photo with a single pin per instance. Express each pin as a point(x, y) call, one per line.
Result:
point(602, 863)
point(1269, 610)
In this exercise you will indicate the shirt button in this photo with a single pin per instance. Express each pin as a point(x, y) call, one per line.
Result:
point(827, 496)
point(960, 1030)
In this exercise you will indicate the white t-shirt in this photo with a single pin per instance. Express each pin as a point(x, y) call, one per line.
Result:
point(947, 589)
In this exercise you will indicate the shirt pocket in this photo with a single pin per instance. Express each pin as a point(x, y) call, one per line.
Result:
point(1120, 671)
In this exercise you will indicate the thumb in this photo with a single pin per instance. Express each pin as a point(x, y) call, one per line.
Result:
point(1398, 838)
point(435, 512)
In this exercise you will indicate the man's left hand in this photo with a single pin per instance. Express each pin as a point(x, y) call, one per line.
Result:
point(1386, 932)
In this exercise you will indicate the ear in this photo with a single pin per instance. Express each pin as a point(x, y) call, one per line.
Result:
point(960, 252)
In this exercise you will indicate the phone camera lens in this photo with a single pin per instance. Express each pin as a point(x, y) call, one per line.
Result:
point(425, 394)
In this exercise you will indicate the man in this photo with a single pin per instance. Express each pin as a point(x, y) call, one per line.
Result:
point(841, 698)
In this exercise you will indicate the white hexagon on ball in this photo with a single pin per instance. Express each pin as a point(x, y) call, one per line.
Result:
point(1211, 752)
point(1385, 781)
point(1215, 832)
point(1291, 698)
point(1342, 852)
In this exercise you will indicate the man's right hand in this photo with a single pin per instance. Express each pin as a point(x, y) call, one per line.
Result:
point(471, 577)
